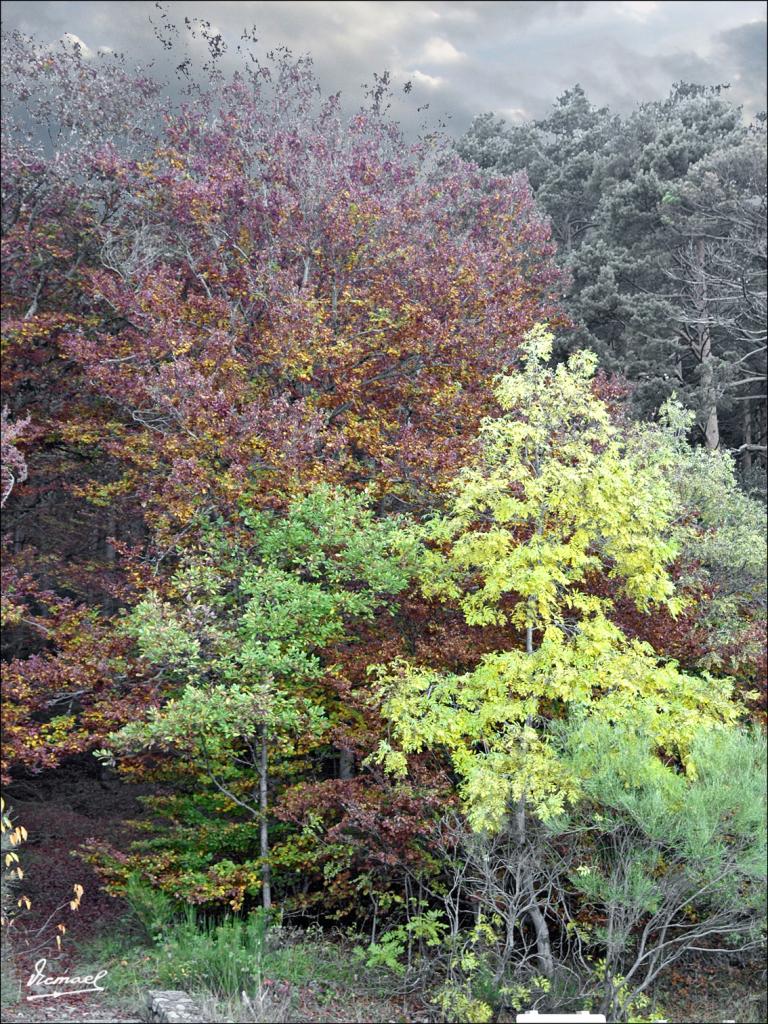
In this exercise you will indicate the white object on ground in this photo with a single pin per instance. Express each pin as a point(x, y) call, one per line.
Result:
point(534, 1017)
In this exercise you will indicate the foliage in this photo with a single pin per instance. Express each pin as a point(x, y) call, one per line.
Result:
point(648, 865)
point(426, 927)
point(557, 498)
point(69, 678)
point(239, 638)
point(249, 342)
point(230, 295)
point(660, 222)
point(721, 534)
point(670, 861)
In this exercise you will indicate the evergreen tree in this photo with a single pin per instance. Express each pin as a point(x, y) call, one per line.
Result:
point(660, 220)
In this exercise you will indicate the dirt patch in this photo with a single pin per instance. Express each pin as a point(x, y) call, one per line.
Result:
point(62, 811)
point(74, 1009)
point(714, 988)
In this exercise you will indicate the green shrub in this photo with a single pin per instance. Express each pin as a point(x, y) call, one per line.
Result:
point(668, 861)
point(224, 958)
point(152, 909)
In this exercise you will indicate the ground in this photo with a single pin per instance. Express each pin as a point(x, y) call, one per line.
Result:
point(60, 812)
point(66, 809)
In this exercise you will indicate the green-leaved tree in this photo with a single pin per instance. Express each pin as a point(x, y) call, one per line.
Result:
point(241, 631)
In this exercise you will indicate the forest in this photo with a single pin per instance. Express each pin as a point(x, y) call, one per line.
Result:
point(384, 545)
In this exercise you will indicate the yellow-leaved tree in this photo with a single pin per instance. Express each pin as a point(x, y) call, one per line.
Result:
point(560, 513)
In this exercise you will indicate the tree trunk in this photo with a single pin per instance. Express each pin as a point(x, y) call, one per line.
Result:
point(539, 922)
point(702, 347)
point(346, 764)
point(536, 917)
point(266, 882)
point(746, 455)
point(711, 424)
point(110, 557)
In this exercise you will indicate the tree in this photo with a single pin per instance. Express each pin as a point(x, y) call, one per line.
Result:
point(238, 290)
point(669, 862)
point(563, 155)
point(557, 500)
point(659, 222)
point(240, 640)
point(719, 210)
point(337, 298)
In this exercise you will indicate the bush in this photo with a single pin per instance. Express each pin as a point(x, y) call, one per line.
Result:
point(650, 864)
point(152, 909)
point(224, 958)
point(668, 862)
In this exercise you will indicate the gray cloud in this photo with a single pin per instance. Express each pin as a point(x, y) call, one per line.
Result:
point(462, 58)
point(741, 51)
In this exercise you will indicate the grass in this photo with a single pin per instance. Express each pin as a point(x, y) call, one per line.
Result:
point(292, 976)
point(242, 969)
point(9, 982)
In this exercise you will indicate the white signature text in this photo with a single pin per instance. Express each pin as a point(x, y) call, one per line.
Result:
point(63, 984)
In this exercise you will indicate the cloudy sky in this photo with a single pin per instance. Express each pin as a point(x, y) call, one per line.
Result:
point(463, 58)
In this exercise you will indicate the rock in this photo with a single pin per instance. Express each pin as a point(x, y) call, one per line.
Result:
point(173, 1007)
